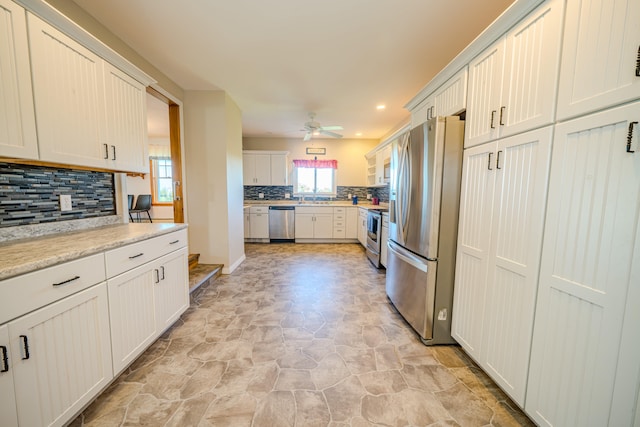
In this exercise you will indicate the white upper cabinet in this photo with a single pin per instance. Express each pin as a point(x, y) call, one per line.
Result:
point(88, 113)
point(512, 83)
point(451, 97)
point(264, 168)
point(423, 112)
point(590, 269)
point(600, 56)
point(69, 98)
point(126, 122)
point(17, 119)
point(483, 102)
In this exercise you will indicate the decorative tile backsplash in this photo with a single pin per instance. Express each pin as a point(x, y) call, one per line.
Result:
point(30, 194)
point(252, 192)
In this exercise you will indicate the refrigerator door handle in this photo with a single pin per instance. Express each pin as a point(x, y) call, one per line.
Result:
point(407, 256)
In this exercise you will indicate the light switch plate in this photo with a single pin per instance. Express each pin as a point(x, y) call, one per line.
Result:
point(287, 195)
point(65, 203)
point(260, 195)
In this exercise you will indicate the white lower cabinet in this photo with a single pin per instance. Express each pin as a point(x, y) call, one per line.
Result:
point(351, 226)
point(171, 296)
point(132, 315)
point(384, 237)
point(585, 359)
point(259, 222)
point(61, 357)
point(499, 239)
point(8, 414)
point(314, 223)
point(362, 226)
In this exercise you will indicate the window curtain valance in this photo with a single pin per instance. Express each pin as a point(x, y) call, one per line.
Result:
point(328, 164)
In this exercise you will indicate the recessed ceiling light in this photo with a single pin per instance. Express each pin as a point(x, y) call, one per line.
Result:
point(358, 133)
point(380, 107)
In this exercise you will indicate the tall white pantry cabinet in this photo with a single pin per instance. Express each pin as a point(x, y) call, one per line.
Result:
point(548, 284)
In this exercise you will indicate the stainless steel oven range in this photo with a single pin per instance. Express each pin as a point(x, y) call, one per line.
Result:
point(374, 225)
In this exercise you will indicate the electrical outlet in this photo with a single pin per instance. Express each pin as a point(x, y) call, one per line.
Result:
point(260, 195)
point(368, 196)
point(65, 203)
point(287, 195)
point(350, 195)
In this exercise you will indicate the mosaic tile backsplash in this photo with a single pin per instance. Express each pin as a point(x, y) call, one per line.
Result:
point(30, 194)
point(252, 192)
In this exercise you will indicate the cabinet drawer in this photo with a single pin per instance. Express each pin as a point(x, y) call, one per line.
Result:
point(259, 209)
point(314, 209)
point(385, 221)
point(339, 210)
point(338, 224)
point(34, 290)
point(338, 217)
point(119, 260)
point(339, 233)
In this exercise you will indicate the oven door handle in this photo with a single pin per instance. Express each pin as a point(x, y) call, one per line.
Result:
point(407, 256)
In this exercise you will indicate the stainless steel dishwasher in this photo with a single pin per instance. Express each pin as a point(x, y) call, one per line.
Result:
point(282, 223)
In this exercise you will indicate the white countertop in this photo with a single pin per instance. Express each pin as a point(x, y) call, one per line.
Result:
point(23, 256)
point(249, 203)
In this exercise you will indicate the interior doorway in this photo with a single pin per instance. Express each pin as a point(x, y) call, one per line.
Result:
point(174, 154)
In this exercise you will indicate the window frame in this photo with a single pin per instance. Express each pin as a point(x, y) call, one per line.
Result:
point(333, 193)
point(154, 182)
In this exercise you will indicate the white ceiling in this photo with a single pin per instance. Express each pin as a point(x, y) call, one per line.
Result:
point(280, 59)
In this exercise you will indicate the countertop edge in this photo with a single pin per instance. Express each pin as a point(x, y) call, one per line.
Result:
point(55, 258)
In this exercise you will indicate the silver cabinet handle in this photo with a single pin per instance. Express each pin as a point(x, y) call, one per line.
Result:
point(64, 282)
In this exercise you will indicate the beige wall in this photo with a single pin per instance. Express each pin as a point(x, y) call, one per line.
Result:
point(213, 150)
point(349, 153)
point(99, 31)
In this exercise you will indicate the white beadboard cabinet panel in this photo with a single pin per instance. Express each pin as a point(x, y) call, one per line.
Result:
point(126, 122)
point(531, 70)
point(17, 118)
point(522, 172)
point(8, 414)
point(600, 63)
point(474, 236)
point(451, 98)
point(172, 290)
point(68, 360)
point(423, 112)
point(589, 263)
point(483, 99)
point(68, 87)
point(132, 314)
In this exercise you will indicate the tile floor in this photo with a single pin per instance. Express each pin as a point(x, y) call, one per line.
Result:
point(299, 335)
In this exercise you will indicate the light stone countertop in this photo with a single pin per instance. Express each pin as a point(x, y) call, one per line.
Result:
point(249, 203)
point(27, 255)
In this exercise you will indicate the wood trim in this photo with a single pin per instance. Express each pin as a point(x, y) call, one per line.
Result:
point(60, 165)
point(176, 162)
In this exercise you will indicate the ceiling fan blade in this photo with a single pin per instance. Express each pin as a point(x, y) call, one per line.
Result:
point(307, 136)
point(333, 134)
point(332, 128)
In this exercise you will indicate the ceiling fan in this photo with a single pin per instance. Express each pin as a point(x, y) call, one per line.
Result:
point(314, 128)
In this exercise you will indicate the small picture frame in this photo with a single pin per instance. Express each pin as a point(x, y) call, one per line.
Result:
point(311, 150)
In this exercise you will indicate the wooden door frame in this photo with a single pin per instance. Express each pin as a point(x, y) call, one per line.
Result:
point(175, 138)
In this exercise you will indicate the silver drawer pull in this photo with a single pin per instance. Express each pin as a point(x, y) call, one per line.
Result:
point(67, 281)
point(136, 256)
point(174, 242)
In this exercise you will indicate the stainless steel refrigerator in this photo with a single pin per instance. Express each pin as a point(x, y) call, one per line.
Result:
point(423, 225)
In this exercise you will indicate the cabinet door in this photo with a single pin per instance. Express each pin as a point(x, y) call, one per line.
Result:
point(304, 226)
point(260, 226)
point(474, 234)
point(531, 70)
point(247, 224)
point(323, 226)
point(279, 169)
point(362, 227)
point(600, 66)
point(423, 112)
point(17, 119)
point(171, 288)
point(249, 169)
point(263, 169)
point(451, 98)
point(62, 357)
point(590, 264)
point(68, 89)
point(483, 103)
point(384, 237)
point(8, 414)
point(126, 122)
point(132, 315)
point(522, 170)
point(351, 226)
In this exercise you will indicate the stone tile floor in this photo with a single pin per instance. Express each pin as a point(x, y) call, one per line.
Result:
point(299, 335)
